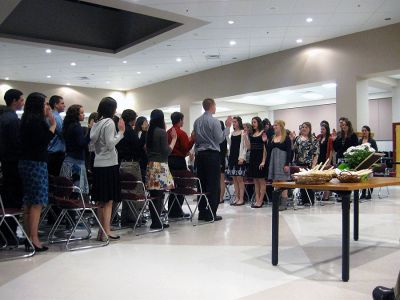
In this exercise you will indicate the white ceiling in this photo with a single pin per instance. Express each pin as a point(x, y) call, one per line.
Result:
point(260, 27)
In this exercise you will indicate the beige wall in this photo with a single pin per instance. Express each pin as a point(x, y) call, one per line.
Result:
point(87, 97)
point(293, 117)
point(380, 118)
point(344, 59)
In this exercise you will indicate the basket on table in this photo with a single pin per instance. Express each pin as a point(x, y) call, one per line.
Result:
point(312, 178)
point(347, 177)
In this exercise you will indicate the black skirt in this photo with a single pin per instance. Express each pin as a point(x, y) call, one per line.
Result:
point(106, 184)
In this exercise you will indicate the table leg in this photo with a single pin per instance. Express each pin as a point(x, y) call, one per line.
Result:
point(275, 225)
point(356, 214)
point(345, 236)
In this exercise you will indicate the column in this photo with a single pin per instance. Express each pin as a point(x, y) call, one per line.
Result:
point(346, 101)
point(362, 105)
point(195, 111)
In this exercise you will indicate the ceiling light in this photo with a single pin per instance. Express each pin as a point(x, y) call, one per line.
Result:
point(299, 41)
point(286, 92)
point(68, 83)
point(230, 22)
point(232, 43)
point(48, 76)
point(138, 72)
point(7, 78)
point(124, 62)
point(73, 64)
point(179, 59)
point(107, 82)
point(312, 96)
point(330, 85)
point(309, 20)
point(48, 50)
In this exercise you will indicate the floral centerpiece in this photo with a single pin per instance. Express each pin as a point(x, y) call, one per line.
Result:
point(352, 158)
point(355, 155)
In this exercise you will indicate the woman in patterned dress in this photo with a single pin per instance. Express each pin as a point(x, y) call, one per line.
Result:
point(35, 137)
point(306, 150)
point(158, 175)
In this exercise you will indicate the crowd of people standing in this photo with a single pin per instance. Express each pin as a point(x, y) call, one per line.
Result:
point(43, 144)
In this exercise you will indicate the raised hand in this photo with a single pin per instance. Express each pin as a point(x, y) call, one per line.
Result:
point(121, 125)
point(173, 134)
point(228, 121)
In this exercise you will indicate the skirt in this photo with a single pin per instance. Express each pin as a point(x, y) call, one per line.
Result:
point(158, 176)
point(236, 170)
point(75, 170)
point(35, 181)
point(106, 184)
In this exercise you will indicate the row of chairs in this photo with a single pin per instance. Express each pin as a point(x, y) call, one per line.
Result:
point(78, 212)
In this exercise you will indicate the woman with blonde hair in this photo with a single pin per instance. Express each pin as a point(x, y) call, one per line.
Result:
point(281, 153)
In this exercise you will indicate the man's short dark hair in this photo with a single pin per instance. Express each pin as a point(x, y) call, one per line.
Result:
point(176, 117)
point(11, 95)
point(207, 103)
point(54, 100)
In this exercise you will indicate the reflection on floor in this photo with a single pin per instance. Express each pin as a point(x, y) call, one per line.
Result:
point(230, 259)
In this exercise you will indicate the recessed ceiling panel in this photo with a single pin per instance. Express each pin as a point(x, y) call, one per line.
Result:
point(81, 25)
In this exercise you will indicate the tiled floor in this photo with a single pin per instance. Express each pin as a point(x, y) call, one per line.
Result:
point(230, 259)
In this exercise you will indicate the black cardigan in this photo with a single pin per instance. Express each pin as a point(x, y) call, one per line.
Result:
point(341, 144)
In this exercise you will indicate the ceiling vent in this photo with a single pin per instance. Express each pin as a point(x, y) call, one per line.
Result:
point(212, 56)
point(83, 78)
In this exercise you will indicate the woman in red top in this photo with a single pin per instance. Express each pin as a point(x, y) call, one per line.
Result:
point(177, 160)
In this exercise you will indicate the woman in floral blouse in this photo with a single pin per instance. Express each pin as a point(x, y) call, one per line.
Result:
point(306, 150)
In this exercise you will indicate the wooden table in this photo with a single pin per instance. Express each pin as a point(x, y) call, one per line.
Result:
point(344, 190)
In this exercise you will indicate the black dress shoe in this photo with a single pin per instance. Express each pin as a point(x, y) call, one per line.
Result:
point(209, 218)
point(114, 237)
point(383, 293)
point(179, 216)
point(158, 226)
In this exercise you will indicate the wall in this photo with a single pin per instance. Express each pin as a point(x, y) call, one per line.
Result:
point(293, 117)
point(87, 97)
point(380, 121)
point(344, 59)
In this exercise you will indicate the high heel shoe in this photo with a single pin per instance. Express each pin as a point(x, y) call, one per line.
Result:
point(28, 247)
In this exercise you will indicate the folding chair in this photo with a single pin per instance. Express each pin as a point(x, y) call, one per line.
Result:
point(187, 184)
point(383, 171)
point(13, 213)
point(129, 183)
point(69, 198)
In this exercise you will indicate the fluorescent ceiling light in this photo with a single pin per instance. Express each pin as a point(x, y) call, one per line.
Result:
point(309, 20)
point(299, 41)
point(73, 64)
point(124, 62)
point(48, 50)
point(48, 76)
point(232, 43)
point(179, 59)
point(230, 22)
point(68, 83)
point(330, 85)
point(7, 78)
point(312, 96)
point(138, 72)
point(222, 109)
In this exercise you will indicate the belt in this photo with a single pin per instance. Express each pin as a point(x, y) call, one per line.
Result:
point(208, 151)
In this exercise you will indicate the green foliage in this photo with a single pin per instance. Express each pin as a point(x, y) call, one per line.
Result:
point(355, 157)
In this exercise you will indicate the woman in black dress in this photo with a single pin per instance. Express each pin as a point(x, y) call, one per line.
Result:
point(237, 160)
point(344, 140)
point(366, 138)
point(257, 161)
